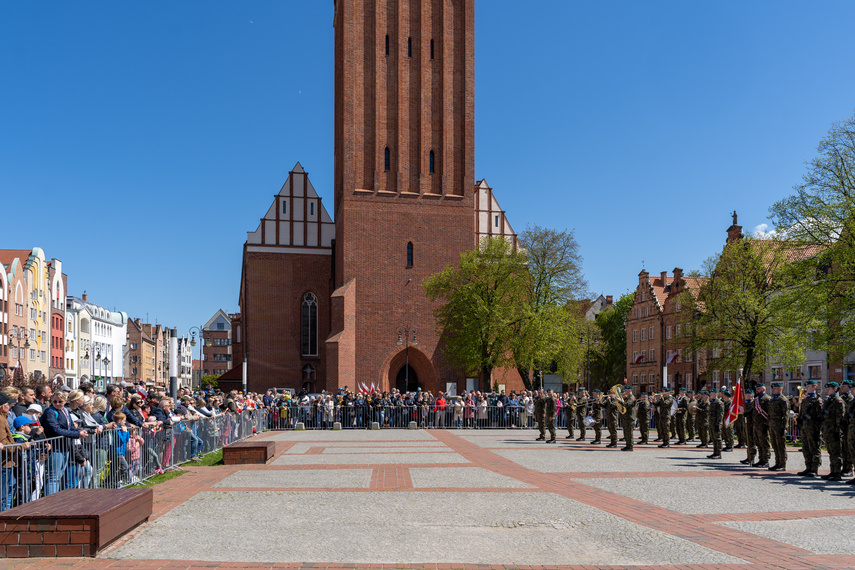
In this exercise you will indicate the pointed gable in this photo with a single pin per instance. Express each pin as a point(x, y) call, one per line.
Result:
point(490, 219)
point(296, 220)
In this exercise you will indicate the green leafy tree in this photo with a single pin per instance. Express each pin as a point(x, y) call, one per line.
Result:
point(822, 211)
point(607, 356)
point(484, 299)
point(209, 380)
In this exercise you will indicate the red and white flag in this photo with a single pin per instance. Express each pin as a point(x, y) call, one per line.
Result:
point(737, 405)
point(364, 388)
point(373, 388)
point(673, 358)
point(639, 357)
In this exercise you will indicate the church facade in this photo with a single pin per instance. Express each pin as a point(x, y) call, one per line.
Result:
point(328, 302)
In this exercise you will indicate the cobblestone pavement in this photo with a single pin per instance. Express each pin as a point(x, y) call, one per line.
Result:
point(442, 500)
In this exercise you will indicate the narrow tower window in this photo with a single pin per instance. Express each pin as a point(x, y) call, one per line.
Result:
point(431, 162)
point(410, 254)
point(409, 47)
point(387, 160)
point(431, 49)
point(387, 44)
point(309, 325)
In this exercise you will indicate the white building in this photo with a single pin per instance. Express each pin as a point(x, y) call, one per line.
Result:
point(185, 362)
point(108, 333)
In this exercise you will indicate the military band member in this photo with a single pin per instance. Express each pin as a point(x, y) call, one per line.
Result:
point(570, 414)
point(748, 404)
point(581, 412)
point(832, 412)
point(779, 415)
point(657, 423)
point(850, 431)
point(726, 430)
point(701, 418)
point(681, 415)
point(628, 418)
point(715, 418)
point(739, 431)
point(761, 425)
point(810, 424)
point(540, 414)
point(597, 406)
point(691, 430)
point(663, 408)
point(847, 397)
point(643, 415)
point(612, 419)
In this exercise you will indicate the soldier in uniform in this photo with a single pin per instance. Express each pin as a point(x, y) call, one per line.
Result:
point(550, 408)
point(570, 414)
point(739, 430)
point(581, 412)
point(847, 397)
point(727, 430)
point(540, 414)
point(612, 419)
point(663, 409)
point(643, 415)
point(692, 403)
point(850, 432)
point(716, 419)
point(809, 423)
point(597, 415)
point(681, 415)
point(628, 418)
point(656, 423)
point(832, 414)
point(761, 425)
point(701, 417)
point(748, 404)
point(779, 415)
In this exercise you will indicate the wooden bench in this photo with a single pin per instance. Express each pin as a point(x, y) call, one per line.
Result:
point(74, 522)
point(249, 452)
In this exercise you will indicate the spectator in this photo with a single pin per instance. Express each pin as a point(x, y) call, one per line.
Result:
point(59, 423)
point(7, 457)
point(43, 394)
point(26, 397)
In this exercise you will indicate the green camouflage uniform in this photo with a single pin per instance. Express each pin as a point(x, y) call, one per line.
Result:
point(779, 414)
point(810, 422)
point(628, 420)
point(643, 415)
point(833, 412)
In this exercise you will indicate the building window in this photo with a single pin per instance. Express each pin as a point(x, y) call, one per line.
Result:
point(311, 208)
point(643, 335)
point(651, 355)
point(676, 331)
point(431, 161)
point(410, 254)
point(644, 378)
point(650, 333)
point(309, 325)
point(431, 49)
point(409, 47)
point(814, 372)
point(387, 160)
point(284, 206)
point(643, 296)
point(221, 326)
point(635, 378)
point(635, 336)
point(496, 222)
point(387, 44)
point(667, 333)
point(646, 311)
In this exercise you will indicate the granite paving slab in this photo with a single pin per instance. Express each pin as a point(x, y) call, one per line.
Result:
point(436, 527)
point(370, 459)
point(717, 495)
point(830, 535)
point(308, 479)
point(462, 477)
point(353, 435)
point(358, 447)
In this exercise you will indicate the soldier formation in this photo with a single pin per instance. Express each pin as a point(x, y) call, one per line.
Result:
point(688, 417)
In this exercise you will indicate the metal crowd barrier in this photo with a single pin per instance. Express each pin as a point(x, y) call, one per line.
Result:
point(114, 458)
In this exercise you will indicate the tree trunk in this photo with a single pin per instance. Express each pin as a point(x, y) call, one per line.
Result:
point(746, 369)
point(526, 378)
point(487, 378)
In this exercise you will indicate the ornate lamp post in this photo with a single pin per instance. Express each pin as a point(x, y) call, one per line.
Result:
point(16, 344)
point(204, 342)
point(404, 334)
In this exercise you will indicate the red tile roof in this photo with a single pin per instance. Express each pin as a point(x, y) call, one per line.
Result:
point(7, 256)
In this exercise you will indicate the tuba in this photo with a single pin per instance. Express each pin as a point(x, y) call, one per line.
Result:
point(615, 392)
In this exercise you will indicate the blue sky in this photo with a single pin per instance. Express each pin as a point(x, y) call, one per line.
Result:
point(139, 141)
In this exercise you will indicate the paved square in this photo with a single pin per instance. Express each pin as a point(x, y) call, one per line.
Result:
point(462, 477)
point(304, 478)
point(354, 435)
point(831, 535)
point(370, 459)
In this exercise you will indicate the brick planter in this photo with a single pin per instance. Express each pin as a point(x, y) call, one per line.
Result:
point(249, 452)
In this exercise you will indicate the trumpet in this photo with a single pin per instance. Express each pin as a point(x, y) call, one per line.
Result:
point(615, 393)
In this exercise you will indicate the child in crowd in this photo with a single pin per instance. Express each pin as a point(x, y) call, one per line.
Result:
point(123, 436)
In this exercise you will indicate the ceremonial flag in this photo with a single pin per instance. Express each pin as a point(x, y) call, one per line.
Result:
point(639, 357)
point(737, 405)
point(673, 357)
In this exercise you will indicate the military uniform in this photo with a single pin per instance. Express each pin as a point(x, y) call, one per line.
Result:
point(809, 423)
point(612, 420)
point(581, 412)
point(703, 422)
point(657, 423)
point(715, 418)
point(628, 421)
point(779, 414)
point(832, 414)
point(663, 409)
point(847, 457)
point(739, 431)
point(681, 415)
point(570, 414)
point(748, 426)
point(692, 404)
point(643, 415)
point(540, 416)
point(761, 428)
point(726, 429)
point(850, 432)
point(597, 416)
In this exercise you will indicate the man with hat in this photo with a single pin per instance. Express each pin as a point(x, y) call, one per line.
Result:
point(779, 415)
point(663, 409)
point(832, 414)
point(692, 405)
point(716, 418)
point(850, 430)
point(845, 444)
point(597, 415)
point(612, 418)
point(809, 423)
point(702, 419)
point(628, 418)
point(570, 407)
point(726, 430)
point(748, 406)
point(643, 415)
point(681, 415)
point(581, 412)
point(761, 425)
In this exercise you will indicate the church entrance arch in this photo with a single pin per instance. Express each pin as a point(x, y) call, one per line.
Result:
point(410, 371)
point(407, 379)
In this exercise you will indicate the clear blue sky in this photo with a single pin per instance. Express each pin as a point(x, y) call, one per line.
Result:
point(139, 141)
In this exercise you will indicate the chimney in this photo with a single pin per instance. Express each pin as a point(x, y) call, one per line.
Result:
point(664, 276)
point(84, 296)
point(609, 300)
point(678, 277)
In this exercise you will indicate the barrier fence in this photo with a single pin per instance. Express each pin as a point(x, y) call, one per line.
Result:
point(114, 458)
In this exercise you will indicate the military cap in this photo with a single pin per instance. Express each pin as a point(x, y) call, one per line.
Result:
point(704, 393)
point(598, 391)
point(625, 388)
point(811, 383)
point(759, 385)
point(666, 389)
point(690, 391)
point(832, 385)
point(726, 392)
point(847, 382)
point(777, 384)
point(713, 390)
point(643, 394)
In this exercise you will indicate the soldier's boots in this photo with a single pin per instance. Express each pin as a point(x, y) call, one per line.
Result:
point(541, 438)
point(777, 467)
point(727, 449)
point(761, 465)
point(612, 445)
point(596, 442)
point(550, 440)
point(626, 449)
point(580, 439)
point(714, 456)
point(666, 444)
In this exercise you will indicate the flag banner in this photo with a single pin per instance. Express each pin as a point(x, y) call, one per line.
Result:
point(673, 358)
point(639, 357)
point(737, 405)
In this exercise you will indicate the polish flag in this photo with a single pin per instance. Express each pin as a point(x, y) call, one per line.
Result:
point(364, 388)
point(673, 358)
point(737, 405)
point(373, 388)
point(639, 357)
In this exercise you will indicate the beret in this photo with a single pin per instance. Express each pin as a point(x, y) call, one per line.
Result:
point(832, 385)
point(726, 392)
point(759, 385)
point(810, 383)
point(847, 382)
point(598, 391)
point(643, 394)
point(777, 384)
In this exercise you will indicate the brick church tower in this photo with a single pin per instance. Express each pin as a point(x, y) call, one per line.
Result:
point(404, 181)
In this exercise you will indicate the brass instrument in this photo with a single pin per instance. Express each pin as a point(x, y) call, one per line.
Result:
point(802, 394)
point(615, 393)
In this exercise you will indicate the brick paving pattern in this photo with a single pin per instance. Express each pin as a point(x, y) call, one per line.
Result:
point(496, 500)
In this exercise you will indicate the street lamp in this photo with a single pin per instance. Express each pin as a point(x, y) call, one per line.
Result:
point(106, 368)
point(100, 370)
point(16, 344)
point(205, 342)
point(404, 334)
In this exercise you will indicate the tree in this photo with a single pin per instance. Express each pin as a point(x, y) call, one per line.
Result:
point(607, 359)
point(484, 300)
point(209, 380)
point(751, 308)
point(822, 211)
point(548, 329)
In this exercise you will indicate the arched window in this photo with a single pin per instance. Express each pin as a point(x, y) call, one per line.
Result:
point(309, 325)
point(431, 162)
point(387, 160)
point(410, 254)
